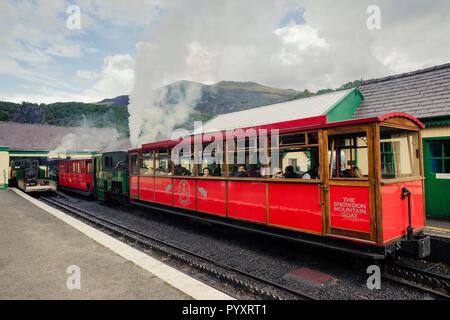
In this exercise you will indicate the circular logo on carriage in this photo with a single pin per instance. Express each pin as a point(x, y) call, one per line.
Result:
point(184, 192)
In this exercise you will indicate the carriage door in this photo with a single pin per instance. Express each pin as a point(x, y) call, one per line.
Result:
point(134, 176)
point(349, 172)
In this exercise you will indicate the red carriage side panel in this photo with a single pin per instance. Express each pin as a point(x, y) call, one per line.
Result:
point(134, 187)
point(163, 190)
point(247, 201)
point(350, 208)
point(211, 197)
point(76, 174)
point(295, 206)
point(395, 210)
point(184, 193)
point(146, 188)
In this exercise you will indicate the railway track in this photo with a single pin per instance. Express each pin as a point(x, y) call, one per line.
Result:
point(418, 278)
point(241, 280)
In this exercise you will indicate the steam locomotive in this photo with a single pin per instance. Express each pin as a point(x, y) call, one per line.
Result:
point(29, 176)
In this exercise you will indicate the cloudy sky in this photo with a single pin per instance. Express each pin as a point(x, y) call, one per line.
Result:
point(143, 44)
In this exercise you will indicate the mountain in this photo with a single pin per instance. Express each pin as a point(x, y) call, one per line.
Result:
point(221, 97)
point(118, 101)
point(214, 99)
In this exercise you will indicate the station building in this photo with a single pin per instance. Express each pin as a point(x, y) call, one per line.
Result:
point(45, 142)
point(425, 94)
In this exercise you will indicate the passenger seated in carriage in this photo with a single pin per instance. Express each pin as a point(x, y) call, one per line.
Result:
point(290, 173)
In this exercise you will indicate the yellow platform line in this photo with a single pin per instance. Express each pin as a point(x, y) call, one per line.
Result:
point(439, 229)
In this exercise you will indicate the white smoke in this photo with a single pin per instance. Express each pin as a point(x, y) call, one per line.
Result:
point(194, 41)
point(85, 140)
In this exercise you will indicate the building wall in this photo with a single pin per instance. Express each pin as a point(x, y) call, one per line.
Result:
point(436, 132)
point(4, 167)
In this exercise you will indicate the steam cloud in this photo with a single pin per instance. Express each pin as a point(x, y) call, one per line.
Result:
point(85, 139)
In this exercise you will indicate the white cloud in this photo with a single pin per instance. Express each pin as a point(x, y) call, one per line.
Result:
point(87, 75)
point(209, 41)
point(67, 51)
point(301, 36)
point(116, 78)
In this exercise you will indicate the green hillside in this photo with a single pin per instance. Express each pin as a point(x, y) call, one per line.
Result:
point(218, 98)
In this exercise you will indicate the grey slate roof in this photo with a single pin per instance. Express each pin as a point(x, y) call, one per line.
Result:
point(29, 137)
point(423, 94)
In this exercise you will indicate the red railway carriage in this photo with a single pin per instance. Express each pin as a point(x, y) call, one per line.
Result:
point(353, 185)
point(76, 175)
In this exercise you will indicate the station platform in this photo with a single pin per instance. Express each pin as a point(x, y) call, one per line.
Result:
point(438, 227)
point(46, 254)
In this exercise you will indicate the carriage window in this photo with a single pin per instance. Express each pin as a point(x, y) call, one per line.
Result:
point(147, 166)
point(300, 163)
point(347, 156)
point(399, 153)
point(245, 161)
point(89, 167)
point(293, 139)
point(163, 163)
point(212, 163)
point(183, 164)
point(134, 164)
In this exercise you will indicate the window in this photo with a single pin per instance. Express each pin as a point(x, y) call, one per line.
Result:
point(389, 154)
point(108, 163)
point(212, 163)
point(301, 163)
point(183, 164)
point(147, 164)
point(134, 164)
point(347, 156)
point(163, 164)
point(293, 139)
point(440, 157)
point(244, 158)
point(89, 167)
point(399, 153)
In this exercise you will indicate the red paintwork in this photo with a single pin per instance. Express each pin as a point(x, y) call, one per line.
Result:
point(134, 186)
point(76, 179)
point(185, 193)
point(350, 208)
point(395, 210)
point(247, 201)
point(295, 206)
point(147, 188)
point(402, 115)
point(163, 190)
point(211, 196)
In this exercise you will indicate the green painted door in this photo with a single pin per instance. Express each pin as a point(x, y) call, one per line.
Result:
point(437, 177)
